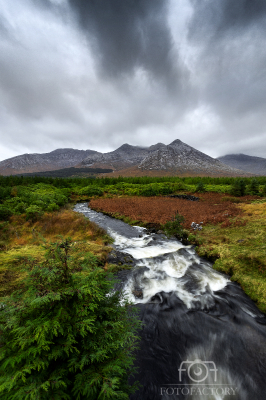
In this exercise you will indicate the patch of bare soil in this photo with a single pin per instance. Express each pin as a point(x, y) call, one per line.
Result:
point(158, 210)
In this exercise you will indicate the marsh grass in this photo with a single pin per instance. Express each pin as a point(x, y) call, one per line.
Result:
point(240, 250)
point(21, 240)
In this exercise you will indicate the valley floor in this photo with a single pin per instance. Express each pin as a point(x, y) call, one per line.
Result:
point(233, 234)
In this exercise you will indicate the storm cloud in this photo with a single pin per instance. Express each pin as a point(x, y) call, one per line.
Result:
point(99, 73)
point(127, 34)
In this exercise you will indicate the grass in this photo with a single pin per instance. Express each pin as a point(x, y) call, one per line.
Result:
point(21, 240)
point(239, 250)
point(236, 245)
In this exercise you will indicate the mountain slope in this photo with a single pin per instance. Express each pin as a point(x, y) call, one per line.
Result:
point(60, 158)
point(184, 159)
point(123, 157)
point(177, 158)
point(255, 165)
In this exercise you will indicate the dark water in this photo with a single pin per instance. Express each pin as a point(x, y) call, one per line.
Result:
point(202, 337)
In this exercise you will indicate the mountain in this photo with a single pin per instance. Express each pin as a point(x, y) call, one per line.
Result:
point(255, 165)
point(183, 159)
point(121, 158)
point(60, 158)
point(177, 158)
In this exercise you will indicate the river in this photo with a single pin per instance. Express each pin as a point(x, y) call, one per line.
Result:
point(202, 337)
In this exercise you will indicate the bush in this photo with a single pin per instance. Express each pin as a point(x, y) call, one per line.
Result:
point(5, 213)
point(33, 213)
point(20, 208)
point(65, 336)
point(5, 192)
point(253, 188)
point(52, 207)
point(238, 188)
point(148, 192)
point(200, 187)
point(60, 199)
point(91, 191)
point(174, 227)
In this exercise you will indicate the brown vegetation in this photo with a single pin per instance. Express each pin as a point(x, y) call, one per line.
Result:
point(51, 225)
point(211, 208)
point(21, 240)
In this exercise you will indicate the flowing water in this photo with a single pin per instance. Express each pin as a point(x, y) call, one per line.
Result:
point(202, 337)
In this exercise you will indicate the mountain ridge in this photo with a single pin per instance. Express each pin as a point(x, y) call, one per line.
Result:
point(252, 164)
point(38, 162)
point(177, 158)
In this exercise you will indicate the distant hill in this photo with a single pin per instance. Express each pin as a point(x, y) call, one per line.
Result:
point(27, 163)
point(254, 165)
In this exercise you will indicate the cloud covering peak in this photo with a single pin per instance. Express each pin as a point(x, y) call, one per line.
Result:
point(100, 73)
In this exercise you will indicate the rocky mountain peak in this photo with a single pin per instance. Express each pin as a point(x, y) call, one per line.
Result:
point(176, 142)
point(156, 146)
point(179, 156)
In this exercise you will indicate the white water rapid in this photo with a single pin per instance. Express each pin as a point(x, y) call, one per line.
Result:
point(202, 337)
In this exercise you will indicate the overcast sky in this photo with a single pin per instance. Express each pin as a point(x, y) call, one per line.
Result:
point(94, 74)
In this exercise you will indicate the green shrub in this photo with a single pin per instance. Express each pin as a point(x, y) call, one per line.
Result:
point(148, 191)
point(91, 191)
point(5, 192)
point(20, 208)
point(253, 188)
point(65, 336)
point(52, 207)
point(174, 227)
point(60, 199)
point(33, 213)
point(200, 187)
point(5, 213)
point(179, 186)
point(238, 188)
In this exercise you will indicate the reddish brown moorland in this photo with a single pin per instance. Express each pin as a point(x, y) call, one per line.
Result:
point(158, 210)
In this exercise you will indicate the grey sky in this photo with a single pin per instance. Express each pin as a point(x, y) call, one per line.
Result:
point(96, 74)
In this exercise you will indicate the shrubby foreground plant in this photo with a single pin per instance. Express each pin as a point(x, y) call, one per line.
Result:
point(64, 336)
point(175, 226)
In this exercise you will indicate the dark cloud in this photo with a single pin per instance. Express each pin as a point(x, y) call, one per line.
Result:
point(229, 38)
point(213, 19)
point(100, 73)
point(129, 34)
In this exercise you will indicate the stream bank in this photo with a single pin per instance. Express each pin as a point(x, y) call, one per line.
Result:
point(202, 337)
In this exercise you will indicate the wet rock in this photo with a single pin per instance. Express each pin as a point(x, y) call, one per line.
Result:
point(151, 231)
point(184, 196)
point(119, 258)
point(138, 293)
point(196, 226)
